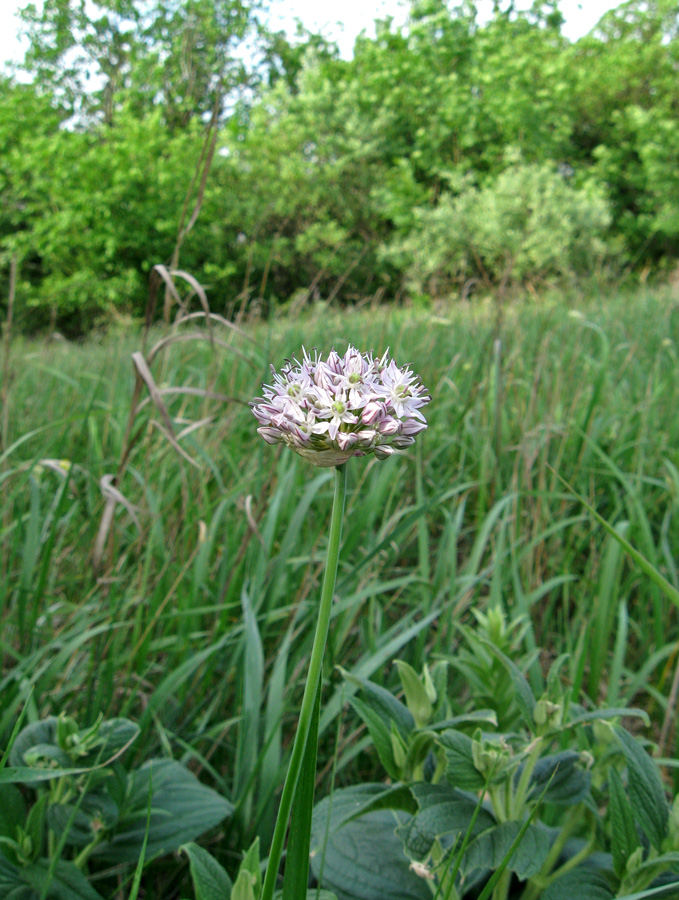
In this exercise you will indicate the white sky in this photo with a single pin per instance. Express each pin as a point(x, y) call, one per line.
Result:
point(357, 15)
point(581, 15)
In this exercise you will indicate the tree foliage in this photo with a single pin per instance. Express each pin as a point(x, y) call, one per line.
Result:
point(169, 54)
point(527, 224)
point(442, 150)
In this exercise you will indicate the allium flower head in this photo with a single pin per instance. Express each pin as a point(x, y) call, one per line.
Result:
point(329, 410)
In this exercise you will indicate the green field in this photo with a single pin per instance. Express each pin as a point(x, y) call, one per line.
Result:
point(197, 621)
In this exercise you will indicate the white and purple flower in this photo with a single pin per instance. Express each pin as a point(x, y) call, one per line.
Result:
point(351, 405)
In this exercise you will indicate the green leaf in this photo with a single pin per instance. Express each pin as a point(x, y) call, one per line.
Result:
point(372, 798)
point(665, 862)
point(39, 737)
point(12, 809)
point(181, 809)
point(210, 881)
point(598, 715)
point(66, 883)
point(421, 745)
point(95, 810)
point(35, 823)
point(489, 849)
point(624, 837)
point(27, 775)
point(580, 883)
point(296, 873)
point(380, 735)
point(499, 871)
point(11, 882)
point(62, 816)
point(567, 783)
point(248, 884)
point(253, 680)
point(664, 892)
point(482, 716)
point(428, 681)
point(460, 771)
point(250, 864)
point(42, 732)
point(244, 887)
point(399, 748)
point(524, 695)
point(363, 858)
point(311, 894)
point(443, 814)
point(113, 736)
point(387, 707)
point(646, 792)
point(417, 699)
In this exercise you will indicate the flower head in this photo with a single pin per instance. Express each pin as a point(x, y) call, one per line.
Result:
point(329, 410)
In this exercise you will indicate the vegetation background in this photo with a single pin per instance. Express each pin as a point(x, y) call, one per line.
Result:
point(156, 560)
point(445, 156)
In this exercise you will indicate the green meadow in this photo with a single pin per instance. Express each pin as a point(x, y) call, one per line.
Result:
point(192, 613)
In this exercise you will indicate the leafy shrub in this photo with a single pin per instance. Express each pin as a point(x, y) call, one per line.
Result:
point(85, 810)
point(527, 225)
point(561, 801)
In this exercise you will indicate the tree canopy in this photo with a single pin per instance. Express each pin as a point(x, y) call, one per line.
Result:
point(445, 152)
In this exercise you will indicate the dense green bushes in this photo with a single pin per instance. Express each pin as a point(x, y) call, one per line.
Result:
point(527, 224)
point(444, 150)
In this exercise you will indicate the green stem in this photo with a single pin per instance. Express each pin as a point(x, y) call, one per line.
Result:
point(313, 677)
point(501, 891)
point(575, 860)
point(87, 851)
point(498, 800)
point(519, 799)
point(545, 876)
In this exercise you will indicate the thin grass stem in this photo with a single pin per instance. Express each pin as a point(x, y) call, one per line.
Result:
point(311, 686)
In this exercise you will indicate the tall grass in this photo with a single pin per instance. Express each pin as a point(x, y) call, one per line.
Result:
point(200, 622)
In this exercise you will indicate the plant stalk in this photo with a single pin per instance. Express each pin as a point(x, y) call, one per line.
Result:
point(313, 677)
